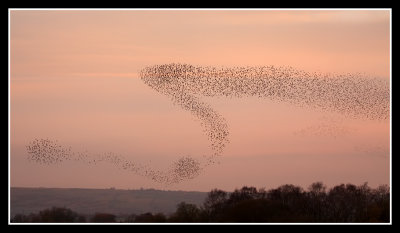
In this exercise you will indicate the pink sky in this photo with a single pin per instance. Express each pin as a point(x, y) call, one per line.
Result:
point(74, 78)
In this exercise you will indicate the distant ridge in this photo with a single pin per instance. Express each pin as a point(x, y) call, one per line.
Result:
point(90, 201)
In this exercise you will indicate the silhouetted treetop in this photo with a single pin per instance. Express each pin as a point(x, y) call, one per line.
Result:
point(288, 203)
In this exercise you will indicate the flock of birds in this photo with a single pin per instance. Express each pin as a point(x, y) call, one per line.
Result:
point(329, 127)
point(46, 151)
point(350, 94)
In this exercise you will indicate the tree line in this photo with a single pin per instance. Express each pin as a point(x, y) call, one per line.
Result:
point(345, 203)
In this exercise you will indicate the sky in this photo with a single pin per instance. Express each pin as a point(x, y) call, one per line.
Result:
point(74, 78)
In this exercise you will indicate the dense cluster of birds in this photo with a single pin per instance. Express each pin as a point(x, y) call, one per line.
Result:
point(349, 94)
point(352, 95)
point(46, 151)
point(185, 168)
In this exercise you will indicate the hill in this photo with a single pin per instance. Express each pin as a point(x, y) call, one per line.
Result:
point(90, 201)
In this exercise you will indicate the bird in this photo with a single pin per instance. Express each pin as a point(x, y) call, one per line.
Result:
point(351, 95)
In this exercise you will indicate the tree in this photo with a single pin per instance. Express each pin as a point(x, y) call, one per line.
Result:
point(290, 195)
point(149, 217)
point(346, 203)
point(316, 201)
point(56, 214)
point(186, 213)
point(19, 218)
point(317, 188)
point(246, 193)
point(103, 217)
point(287, 203)
point(159, 217)
point(130, 218)
point(214, 204)
point(146, 217)
point(379, 207)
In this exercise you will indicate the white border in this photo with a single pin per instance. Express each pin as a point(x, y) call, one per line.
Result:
point(200, 9)
point(391, 112)
point(192, 9)
point(9, 119)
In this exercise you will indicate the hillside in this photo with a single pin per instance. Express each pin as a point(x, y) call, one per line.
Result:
point(89, 201)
